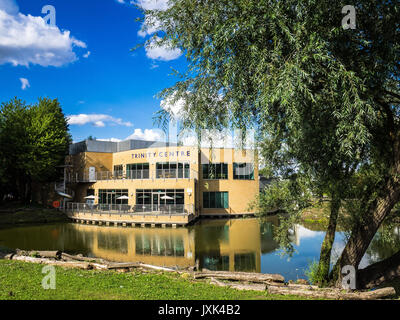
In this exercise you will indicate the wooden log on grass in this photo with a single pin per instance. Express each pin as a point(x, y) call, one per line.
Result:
point(241, 276)
point(42, 254)
point(240, 286)
point(67, 264)
point(331, 293)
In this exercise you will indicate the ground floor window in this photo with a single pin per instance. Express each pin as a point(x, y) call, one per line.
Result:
point(160, 196)
point(215, 200)
point(110, 196)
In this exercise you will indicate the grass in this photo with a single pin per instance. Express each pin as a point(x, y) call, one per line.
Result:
point(22, 281)
point(19, 214)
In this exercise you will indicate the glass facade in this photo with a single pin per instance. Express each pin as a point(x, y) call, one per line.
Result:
point(172, 170)
point(138, 171)
point(160, 196)
point(215, 200)
point(109, 196)
point(215, 171)
point(243, 171)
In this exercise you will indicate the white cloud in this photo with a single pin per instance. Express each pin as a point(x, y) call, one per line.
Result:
point(25, 39)
point(147, 134)
point(152, 4)
point(149, 26)
point(98, 120)
point(24, 83)
point(87, 54)
point(164, 53)
point(120, 1)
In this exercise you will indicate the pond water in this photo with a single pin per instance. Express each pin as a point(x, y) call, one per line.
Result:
point(234, 245)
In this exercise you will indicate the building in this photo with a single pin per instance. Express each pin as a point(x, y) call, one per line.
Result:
point(154, 177)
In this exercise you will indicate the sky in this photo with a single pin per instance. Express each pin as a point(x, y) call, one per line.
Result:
point(83, 58)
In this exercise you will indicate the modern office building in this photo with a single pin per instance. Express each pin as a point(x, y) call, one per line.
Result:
point(154, 177)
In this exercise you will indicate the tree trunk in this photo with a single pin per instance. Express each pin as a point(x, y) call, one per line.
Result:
point(364, 232)
point(380, 272)
point(326, 248)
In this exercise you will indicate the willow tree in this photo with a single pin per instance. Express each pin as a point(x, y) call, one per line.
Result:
point(289, 69)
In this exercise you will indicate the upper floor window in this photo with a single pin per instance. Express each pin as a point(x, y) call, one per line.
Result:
point(118, 171)
point(243, 171)
point(215, 171)
point(137, 171)
point(173, 170)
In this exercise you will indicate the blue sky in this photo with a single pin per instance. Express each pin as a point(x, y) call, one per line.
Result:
point(110, 93)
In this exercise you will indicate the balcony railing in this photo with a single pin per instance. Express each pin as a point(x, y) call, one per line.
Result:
point(166, 209)
point(179, 173)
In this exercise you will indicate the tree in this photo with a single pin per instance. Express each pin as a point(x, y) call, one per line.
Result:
point(34, 140)
point(289, 69)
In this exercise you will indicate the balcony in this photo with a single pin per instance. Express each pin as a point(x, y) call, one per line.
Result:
point(118, 209)
point(146, 174)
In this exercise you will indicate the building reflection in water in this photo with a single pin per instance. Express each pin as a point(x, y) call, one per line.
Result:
point(234, 245)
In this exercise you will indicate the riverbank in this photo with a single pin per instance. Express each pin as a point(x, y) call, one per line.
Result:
point(18, 214)
point(22, 281)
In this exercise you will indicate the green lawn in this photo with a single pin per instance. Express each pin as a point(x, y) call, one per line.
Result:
point(21, 281)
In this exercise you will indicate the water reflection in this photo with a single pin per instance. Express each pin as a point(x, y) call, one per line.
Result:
point(231, 245)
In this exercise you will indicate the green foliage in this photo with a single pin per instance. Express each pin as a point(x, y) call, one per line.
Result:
point(313, 275)
point(34, 140)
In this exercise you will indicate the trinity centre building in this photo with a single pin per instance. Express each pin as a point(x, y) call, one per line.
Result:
point(148, 177)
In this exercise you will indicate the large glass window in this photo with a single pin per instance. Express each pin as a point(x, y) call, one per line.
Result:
point(215, 171)
point(173, 170)
point(137, 171)
point(110, 196)
point(160, 197)
point(243, 171)
point(215, 200)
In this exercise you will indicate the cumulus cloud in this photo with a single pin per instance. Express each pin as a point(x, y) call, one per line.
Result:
point(24, 83)
point(152, 4)
point(147, 134)
point(87, 54)
point(98, 120)
point(164, 53)
point(26, 39)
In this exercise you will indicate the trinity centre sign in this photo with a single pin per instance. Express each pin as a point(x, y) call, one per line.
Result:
point(161, 154)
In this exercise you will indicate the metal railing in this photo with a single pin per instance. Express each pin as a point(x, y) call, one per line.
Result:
point(166, 209)
point(179, 173)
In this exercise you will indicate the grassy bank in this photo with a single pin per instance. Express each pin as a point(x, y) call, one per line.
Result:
point(21, 281)
point(16, 214)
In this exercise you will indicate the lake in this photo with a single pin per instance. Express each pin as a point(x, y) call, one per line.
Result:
point(234, 245)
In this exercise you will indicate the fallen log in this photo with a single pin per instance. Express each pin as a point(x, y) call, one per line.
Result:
point(42, 254)
point(331, 293)
point(240, 286)
point(241, 276)
point(70, 257)
point(149, 266)
point(123, 265)
point(67, 264)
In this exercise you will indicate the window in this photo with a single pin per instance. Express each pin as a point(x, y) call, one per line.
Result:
point(137, 171)
point(215, 171)
point(243, 171)
point(172, 170)
point(215, 200)
point(118, 171)
point(110, 196)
